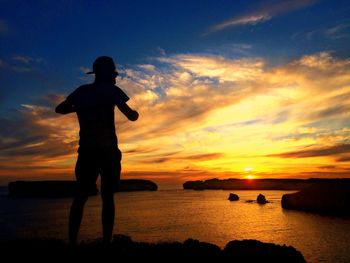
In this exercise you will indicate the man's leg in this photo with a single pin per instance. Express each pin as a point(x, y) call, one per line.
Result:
point(86, 172)
point(75, 216)
point(110, 175)
point(108, 215)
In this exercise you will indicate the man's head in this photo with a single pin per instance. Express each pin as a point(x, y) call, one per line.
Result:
point(104, 69)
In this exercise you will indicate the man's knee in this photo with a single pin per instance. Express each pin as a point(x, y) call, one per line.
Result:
point(107, 195)
point(81, 194)
point(108, 187)
point(81, 198)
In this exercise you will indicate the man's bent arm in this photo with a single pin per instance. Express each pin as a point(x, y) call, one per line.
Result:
point(64, 108)
point(128, 112)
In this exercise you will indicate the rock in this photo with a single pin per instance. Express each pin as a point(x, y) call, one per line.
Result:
point(256, 251)
point(233, 197)
point(193, 248)
point(323, 198)
point(261, 199)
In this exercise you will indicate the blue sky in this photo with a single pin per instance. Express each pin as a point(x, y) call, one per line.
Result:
point(47, 45)
point(67, 35)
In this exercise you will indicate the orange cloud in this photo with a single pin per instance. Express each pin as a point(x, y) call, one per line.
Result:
point(326, 151)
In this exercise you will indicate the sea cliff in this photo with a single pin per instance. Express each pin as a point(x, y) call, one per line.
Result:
point(331, 198)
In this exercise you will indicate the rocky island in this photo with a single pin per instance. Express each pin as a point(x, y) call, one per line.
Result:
point(256, 184)
point(67, 188)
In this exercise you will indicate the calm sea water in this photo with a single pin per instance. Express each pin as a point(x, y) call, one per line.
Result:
point(168, 215)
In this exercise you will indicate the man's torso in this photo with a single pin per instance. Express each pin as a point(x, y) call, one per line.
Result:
point(94, 105)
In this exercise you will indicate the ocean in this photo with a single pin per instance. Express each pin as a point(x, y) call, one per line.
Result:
point(176, 215)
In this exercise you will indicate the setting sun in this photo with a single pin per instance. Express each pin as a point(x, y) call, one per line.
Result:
point(249, 174)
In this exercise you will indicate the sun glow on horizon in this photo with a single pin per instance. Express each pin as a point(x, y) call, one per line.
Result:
point(248, 171)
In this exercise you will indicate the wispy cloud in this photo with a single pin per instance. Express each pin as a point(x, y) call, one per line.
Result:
point(218, 67)
point(243, 20)
point(327, 167)
point(84, 69)
point(338, 31)
point(261, 14)
point(177, 156)
point(31, 138)
point(315, 152)
point(344, 159)
point(335, 32)
point(22, 64)
point(22, 59)
point(27, 59)
point(4, 28)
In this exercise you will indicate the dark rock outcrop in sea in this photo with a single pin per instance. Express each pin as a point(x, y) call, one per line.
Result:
point(128, 185)
point(255, 184)
point(56, 189)
point(261, 199)
point(233, 197)
point(123, 249)
point(331, 198)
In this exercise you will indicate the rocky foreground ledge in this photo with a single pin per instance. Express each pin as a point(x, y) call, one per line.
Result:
point(68, 188)
point(123, 249)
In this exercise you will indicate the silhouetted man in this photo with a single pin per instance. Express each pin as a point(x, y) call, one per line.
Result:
point(98, 152)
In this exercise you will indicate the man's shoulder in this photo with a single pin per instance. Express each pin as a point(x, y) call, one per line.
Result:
point(82, 88)
point(116, 90)
point(85, 86)
point(116, 87)
point(78, 92)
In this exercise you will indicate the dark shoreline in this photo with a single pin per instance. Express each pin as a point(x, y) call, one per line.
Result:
point(58, 189)
point(123, 248)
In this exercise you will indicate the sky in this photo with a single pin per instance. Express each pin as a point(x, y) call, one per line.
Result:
point(225, 89)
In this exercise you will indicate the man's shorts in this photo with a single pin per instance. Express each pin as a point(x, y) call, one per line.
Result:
point(94, 162)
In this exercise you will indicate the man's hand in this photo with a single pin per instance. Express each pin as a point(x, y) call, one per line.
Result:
point(128, 112)
point(135, 116)
point(65, 107)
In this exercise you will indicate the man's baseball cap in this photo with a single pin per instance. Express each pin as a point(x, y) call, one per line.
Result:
point(103, 64)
